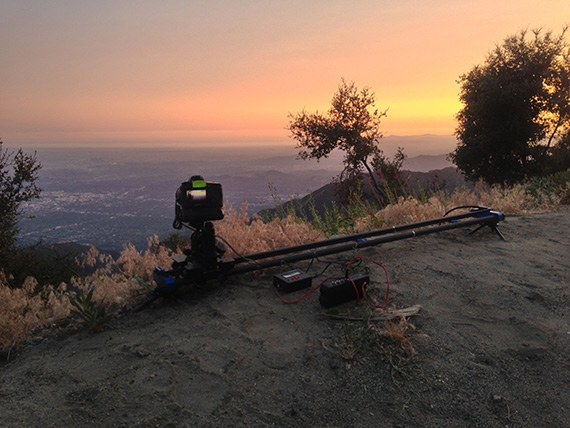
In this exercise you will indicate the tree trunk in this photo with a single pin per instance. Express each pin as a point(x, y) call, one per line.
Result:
point(544, 156)
point(380, 191)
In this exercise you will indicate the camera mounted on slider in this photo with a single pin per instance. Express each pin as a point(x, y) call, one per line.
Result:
point(198, 203)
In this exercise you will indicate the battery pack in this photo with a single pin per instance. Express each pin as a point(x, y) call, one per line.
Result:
point(291, 281)
point(340, 290)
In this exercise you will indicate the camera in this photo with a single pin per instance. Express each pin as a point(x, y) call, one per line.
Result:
point(198, 201)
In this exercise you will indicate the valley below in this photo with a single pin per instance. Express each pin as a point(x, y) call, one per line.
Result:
point(107, 197)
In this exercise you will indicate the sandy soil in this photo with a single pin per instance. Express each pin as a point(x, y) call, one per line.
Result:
point(492, 348)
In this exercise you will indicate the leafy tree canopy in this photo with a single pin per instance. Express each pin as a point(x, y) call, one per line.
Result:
point(18, 184)
point(516, 109)
point(351, 125)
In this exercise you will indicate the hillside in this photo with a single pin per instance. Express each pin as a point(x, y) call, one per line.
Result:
point(426, 163)
point(447, 179)
point(491, 346)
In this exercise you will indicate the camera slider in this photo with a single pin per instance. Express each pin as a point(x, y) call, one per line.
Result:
point(198, 203)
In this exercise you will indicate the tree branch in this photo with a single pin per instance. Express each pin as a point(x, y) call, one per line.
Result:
point(380, 191)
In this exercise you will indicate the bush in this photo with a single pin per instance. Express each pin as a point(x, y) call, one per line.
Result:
point(18, 177)
point(550, 189)
point(92, 313)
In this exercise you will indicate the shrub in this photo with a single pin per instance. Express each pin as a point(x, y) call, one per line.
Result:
point(18, 184)
point(549, 189)
point(93, 314)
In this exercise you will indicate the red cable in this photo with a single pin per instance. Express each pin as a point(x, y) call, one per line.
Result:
point(363, 291)
point(307, 293)
point(358, 301)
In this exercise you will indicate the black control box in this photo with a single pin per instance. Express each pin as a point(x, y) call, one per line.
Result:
point(291, 281)
point(340, 290)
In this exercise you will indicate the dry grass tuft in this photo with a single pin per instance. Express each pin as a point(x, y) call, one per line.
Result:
point(23, 310)
point(400, 331)
point(254, 236)
point(27, 309)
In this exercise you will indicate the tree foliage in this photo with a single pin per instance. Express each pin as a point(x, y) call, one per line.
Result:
point(351, 125)
point(516, 109)
point(18, 184)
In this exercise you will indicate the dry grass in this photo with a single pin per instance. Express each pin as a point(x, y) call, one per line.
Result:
point(23, 310)
point(513, 200)
point(373, 329)
point(254, 236)
point(400, 331)
point(118, 283)
point(388, 344)
point(27, 309)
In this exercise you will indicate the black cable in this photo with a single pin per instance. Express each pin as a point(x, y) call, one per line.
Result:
point(310, 264)
point(354, 262)
point(343, 265)
point(193, 229)
point(479, 207)
point(323, 271)
point(283, 263)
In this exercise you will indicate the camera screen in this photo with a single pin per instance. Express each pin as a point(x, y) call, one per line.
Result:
point(197, 195)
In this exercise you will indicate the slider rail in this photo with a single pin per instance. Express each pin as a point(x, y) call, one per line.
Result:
point(396, 233)
point(359, 236)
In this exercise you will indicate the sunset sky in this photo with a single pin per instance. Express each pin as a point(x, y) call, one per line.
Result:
point(184, 71)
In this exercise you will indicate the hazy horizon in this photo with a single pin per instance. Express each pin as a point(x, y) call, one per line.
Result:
point(414, 145)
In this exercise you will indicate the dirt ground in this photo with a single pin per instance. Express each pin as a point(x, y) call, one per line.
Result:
point(492, 346)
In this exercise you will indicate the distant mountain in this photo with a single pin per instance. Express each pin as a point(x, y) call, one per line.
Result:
point(55, 249)
point(415, 145)
point(447, 179)
point(321, 199)
point(66, 252)
point(426, 163)
point(54, 263)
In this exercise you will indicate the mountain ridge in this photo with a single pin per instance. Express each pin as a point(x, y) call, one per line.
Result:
point(447, 179)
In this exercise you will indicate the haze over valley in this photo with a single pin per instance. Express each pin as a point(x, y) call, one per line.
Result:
point(110, 196)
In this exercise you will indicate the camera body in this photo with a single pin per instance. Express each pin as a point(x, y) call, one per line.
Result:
point(198, 201)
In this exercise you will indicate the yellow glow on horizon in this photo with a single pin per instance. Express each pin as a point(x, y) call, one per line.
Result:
point(424, 116)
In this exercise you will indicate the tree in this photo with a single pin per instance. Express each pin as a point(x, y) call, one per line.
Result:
point(560, 155)
point(516, 109)
point(352, 125)
point(18, 184)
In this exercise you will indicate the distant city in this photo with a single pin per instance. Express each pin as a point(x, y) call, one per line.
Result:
point(107, 197)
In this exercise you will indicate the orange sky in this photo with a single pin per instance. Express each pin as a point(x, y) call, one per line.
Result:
point(189, 71)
